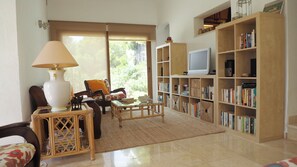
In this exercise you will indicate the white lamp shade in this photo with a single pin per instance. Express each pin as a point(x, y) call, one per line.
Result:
point(54, 55)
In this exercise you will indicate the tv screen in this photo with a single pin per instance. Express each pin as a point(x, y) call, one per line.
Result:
point(198, 61)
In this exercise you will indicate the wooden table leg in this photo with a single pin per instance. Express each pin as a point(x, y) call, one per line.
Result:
point(162, 112)
point(90, 132)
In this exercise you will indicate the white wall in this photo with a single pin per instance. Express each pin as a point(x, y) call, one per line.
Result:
point(10, 100)
point(31, 39)
point(291, 39)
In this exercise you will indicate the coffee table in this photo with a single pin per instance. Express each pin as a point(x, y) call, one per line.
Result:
point(136, 110)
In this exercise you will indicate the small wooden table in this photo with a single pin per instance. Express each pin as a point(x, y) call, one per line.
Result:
point(60, 133)
point(154, 109)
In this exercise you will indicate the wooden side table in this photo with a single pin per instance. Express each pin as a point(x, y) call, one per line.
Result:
point(60, 133)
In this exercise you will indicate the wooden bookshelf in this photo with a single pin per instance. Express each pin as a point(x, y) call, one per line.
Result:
point(171, 59)
point(263, 103)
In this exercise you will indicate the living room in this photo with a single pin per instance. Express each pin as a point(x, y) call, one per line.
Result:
point(23, 39)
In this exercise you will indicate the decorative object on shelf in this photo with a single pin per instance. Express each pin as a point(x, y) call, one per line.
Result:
point(55, 56)
point(76, 103)
point(169, 40)
point(229, 68)
point(274, 7)
point(244, 8)
point(244, 74)
point(204, 30)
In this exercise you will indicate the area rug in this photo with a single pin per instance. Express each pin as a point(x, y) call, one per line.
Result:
point(141, 132)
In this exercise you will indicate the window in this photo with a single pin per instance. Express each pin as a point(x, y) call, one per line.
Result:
point(89, 44)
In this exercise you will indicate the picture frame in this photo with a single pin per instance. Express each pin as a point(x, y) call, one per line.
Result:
point(274, 7)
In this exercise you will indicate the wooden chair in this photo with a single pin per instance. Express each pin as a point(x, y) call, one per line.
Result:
point(101, 92)
point(30, 149)
point(38, 100)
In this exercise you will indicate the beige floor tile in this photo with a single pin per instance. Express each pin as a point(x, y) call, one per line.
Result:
point(217, 150)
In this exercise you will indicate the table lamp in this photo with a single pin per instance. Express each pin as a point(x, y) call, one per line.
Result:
point(55, 56)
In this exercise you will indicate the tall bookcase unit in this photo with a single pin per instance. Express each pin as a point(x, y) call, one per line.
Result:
point(171, 59)
point(251, 103)
point(194, 95)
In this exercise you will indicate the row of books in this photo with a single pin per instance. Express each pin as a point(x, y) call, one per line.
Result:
point(163, 86)
point(247, 40)
point(195, 109)
point(207, 92)
point(245, 124)
point(228, 119)
point(228, 95)
point(244, 94)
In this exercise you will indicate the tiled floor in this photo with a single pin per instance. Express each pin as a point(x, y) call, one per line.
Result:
point(217, 150)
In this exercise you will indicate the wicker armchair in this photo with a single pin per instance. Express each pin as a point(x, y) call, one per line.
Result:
point(20, 154)
point(101, 92)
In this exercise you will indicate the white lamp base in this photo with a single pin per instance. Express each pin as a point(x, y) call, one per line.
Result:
point(57, 90)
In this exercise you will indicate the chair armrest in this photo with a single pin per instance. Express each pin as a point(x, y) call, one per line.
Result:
point(13, 125)
point(87, 93)
point(118, 90)
point(22, 129)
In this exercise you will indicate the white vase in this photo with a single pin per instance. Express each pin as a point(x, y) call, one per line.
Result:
point(57, 90)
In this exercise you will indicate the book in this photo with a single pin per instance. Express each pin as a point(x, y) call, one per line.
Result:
point(239, 124)
point(252, 126)
point(231, 120)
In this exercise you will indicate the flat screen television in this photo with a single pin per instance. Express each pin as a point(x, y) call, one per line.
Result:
point(198, 62)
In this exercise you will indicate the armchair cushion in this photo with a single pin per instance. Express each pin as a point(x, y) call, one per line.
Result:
point(95, 85)
point(18, 154)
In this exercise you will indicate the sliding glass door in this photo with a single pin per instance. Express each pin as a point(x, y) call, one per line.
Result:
point(128, 66)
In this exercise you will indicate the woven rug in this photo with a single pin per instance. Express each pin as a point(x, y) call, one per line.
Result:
point(141, 132)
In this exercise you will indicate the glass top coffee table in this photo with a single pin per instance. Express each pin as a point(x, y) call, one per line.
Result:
point(136, 110)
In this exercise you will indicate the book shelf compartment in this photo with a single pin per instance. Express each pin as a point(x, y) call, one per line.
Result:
point(228, 35)
point(244, 34)
point(244, 61)
point(223, 58)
